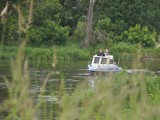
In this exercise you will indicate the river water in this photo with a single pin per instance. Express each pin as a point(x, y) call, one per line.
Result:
point(72, 72)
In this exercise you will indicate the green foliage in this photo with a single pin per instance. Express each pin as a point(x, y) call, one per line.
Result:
point(101, 32)
point(111, 19)
point(153, 88)
point(43, 53)
point(79, 33)
point(73, 11)
point(109, 26)
point(104, 24)
point(106, 31)
point(130, 12)
point(70, 51)
point(152, 53)
point(49, 34)
point(11, 32)
point(140, 35)
point(123, 48)
point(46, 10)
point(46, 29)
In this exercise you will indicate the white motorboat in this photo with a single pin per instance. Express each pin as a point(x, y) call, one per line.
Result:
point(103, 64)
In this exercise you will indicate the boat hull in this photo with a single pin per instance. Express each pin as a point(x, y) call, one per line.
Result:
point(104, 69)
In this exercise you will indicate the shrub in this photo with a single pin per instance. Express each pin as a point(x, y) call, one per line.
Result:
point(140, 35)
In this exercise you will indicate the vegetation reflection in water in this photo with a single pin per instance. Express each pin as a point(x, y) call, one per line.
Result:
point(120, 96)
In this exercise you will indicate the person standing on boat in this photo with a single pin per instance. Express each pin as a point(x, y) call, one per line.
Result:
point(106, 52)
point(101, 53)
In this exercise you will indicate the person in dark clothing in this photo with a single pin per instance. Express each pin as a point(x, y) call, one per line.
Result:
point(101, 53)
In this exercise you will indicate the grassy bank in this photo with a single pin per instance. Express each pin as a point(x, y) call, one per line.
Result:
point(120, 51)
point(67, 52)
point(125, 51)
point(121, 96)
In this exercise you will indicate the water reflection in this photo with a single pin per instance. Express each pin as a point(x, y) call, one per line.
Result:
point(71, 73)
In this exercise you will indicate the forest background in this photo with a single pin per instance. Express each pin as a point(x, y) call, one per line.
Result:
point(120, 25)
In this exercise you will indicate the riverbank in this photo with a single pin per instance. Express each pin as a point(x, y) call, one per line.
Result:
point(66, 53)
point(120, 51)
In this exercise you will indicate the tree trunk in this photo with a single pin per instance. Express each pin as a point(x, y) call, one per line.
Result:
point(3, 18)
point(89, 30)
point(5, 9)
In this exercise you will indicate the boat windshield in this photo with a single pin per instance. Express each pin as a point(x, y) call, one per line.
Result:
point(111, 61)
point(104, 61)
point(96, 60)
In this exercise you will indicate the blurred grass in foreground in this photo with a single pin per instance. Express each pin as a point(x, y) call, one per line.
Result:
point(120, 96)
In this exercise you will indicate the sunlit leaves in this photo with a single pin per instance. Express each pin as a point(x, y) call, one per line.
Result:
point(140, 35)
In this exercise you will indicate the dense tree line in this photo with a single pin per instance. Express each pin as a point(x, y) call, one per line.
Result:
point(62, 21)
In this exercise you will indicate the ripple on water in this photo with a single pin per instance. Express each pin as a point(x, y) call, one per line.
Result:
point(3, 85)
point(137, 71)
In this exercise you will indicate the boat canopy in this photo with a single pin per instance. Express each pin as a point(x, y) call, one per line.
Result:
point(103, 59)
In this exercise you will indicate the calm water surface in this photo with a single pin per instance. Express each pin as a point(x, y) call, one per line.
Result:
point(72, 72)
